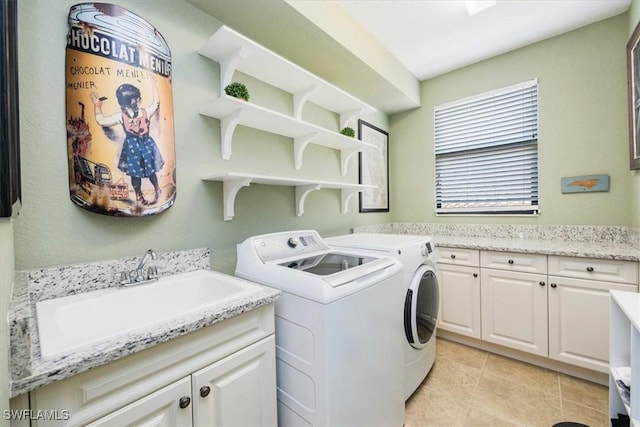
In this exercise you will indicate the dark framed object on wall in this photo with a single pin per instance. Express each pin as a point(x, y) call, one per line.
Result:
point(9, 118)
point(374, 168)
point(633, 76)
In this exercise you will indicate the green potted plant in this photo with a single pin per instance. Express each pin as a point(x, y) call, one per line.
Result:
point(237, 90)
point(348, 131)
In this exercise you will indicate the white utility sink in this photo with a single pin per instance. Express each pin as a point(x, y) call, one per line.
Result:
point(68, 323)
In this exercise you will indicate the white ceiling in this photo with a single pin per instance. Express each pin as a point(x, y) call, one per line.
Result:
point(432, 37)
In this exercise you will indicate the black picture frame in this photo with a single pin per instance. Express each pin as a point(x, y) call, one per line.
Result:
point(633, 83)
point(10, 193)
point(373, 163)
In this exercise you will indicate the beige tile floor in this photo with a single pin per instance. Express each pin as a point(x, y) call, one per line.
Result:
point(470, 387)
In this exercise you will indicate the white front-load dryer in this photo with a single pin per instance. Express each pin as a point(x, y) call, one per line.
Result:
point(421, 304)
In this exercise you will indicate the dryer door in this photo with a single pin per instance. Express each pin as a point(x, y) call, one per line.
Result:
point(421, 307)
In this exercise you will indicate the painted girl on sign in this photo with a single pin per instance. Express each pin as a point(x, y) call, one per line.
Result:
point(121, 157)
point(139, 157)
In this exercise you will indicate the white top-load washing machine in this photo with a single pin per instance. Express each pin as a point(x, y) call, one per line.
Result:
point(338, 341)
point(421, 296)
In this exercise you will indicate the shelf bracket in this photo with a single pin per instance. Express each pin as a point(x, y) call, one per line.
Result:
point(229, 65)
point(299, 100)
point(345, 156)
point(299, 145)
point(347, 194)
point(227, 127)
point(302, 191)
point(346, 117)
point(230, 189)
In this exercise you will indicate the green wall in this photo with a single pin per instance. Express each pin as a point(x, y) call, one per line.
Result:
point(582, 127)
point(51, 230)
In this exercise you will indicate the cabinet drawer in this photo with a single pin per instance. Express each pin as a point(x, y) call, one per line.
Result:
point(525, 263)
point(458, 256)
point(594, 269)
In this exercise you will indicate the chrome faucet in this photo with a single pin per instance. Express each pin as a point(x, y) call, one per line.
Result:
point(140, 274)
point(149, 254)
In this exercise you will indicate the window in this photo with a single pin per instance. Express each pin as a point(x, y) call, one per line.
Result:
point(486, 149)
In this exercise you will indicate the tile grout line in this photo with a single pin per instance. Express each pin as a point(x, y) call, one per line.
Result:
point(560, 394)
point(475, 388)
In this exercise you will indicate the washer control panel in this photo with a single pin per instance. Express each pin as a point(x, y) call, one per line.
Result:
point(279, 246)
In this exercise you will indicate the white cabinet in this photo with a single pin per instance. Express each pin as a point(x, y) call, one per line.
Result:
point(579, 307)
point(235, 52)
point(238, 390)
point(460, 291)
point(624, 355)
point(551, 306)
point(514, 301)
point(223, 374)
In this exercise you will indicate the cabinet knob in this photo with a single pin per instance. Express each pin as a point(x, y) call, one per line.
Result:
point(553, 285)
point(184, 402)
point(542, 283)
point(453, 256)
point(590, 269)
point(475, 274)
point(205, 390)
point(510, 261)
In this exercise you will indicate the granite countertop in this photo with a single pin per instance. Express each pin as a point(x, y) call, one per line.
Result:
point(29, 370)
point(600, 250)
point(602, 242)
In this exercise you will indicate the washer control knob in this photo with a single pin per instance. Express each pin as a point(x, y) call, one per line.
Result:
point(293, 242)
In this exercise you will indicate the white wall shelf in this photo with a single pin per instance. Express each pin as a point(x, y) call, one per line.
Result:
point(624, 354)
point(233, 51)
point(233, 112)
point(234, 181)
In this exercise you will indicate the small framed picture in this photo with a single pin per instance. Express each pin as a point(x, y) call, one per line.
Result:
point(633, 76)
point(374, 168)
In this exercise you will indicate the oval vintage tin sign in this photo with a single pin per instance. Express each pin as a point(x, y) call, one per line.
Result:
point(120, 137)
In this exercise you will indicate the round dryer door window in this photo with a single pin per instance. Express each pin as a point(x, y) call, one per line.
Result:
point(421, 307)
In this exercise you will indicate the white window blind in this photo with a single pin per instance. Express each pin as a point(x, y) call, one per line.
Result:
point(486, 151)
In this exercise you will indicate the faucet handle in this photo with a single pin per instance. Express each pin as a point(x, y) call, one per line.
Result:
point(125, 278)
point(152, 272)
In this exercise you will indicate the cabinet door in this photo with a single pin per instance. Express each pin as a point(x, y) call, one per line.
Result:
point(239, 390)
point(514, 310)
point(460, 300)
point(161, 408)
point(579, 321)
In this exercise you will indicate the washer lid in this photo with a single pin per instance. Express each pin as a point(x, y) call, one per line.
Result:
point(338, 268)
